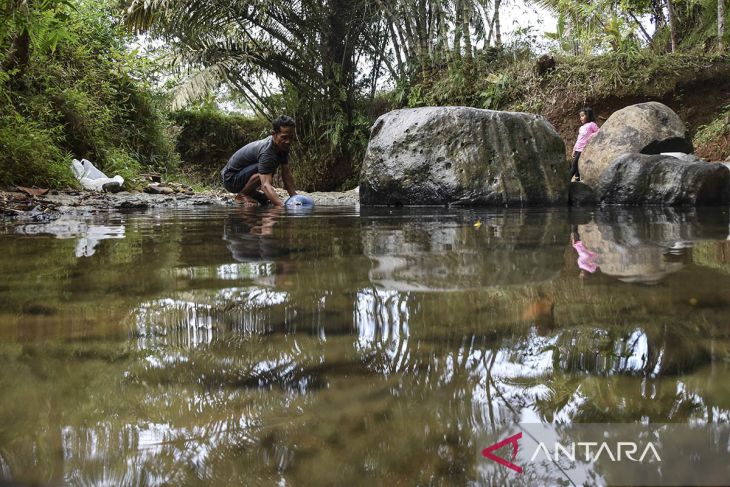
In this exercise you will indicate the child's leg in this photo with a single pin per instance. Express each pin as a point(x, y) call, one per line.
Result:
point(574, 167)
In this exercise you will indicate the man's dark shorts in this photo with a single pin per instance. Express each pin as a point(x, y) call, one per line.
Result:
point(235, 181)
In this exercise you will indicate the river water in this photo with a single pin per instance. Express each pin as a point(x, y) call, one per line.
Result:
point(231, 346)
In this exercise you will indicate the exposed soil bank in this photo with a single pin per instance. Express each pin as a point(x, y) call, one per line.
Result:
point(698, 97)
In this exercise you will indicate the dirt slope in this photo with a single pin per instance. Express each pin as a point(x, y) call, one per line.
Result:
point(698, 101)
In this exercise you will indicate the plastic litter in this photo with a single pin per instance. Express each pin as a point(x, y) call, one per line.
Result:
point(92, 178)
point(299, 201)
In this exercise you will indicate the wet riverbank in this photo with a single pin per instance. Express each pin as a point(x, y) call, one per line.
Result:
point(19, 206)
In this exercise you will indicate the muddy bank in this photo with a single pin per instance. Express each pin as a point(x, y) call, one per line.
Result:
point(18, 206)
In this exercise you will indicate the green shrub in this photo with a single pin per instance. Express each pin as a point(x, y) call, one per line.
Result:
point(88, 124)
point(30, 155)
point(715, 129)
point(118, 161)
point(75, 96)
point(208, 137)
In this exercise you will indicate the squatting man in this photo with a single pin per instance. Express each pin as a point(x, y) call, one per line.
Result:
point(250, 170)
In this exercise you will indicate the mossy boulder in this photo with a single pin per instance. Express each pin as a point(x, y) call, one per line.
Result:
point(463, 156)
point(638, 179)
point(644, 128)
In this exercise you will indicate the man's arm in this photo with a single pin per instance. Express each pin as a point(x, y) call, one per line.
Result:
point(268, 189)
point(288, 179)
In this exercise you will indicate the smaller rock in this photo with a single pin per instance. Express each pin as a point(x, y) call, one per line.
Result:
point(639, 179)
point(111, 187)
point(156, 188)
point(581, 194)
point(646, 128)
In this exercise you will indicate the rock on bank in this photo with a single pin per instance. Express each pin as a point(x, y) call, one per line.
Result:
point(463, 156)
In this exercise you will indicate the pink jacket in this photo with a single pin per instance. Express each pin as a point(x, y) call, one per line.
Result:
point(585, 132)
point(585, 257)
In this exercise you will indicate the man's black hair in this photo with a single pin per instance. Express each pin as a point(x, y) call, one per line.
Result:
point(283, 121)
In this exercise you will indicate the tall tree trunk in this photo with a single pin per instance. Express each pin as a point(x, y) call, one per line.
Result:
point(382, 40)
point(338, 69)
point(422, 34)
point(408, 29)
point(397, 50)
point(672, 24)
point(467, 31)
point(18, 56)
point(396, 37)
point(497, 26)
point(721, 25)
point(458, 30)
point(442, 45)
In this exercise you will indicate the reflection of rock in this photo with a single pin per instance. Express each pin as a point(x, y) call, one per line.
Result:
point(509, 248)
point(581, 195)
point(637, 247)
point(629, 261)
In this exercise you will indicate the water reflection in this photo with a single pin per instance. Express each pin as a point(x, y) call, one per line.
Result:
point(245, 232)
point(507, 248)
point(646, 245)
point(336, 349)
point(87, 233)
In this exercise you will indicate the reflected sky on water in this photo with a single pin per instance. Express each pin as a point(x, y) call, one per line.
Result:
point(252, 346)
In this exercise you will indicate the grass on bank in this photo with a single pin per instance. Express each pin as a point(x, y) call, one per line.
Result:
point(515, 81)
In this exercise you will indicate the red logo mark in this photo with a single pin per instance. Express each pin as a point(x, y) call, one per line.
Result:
point(512, 440)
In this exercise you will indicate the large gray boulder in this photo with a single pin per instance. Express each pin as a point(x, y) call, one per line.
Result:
point(638, 179)
point(463, 156)
point(645, 128)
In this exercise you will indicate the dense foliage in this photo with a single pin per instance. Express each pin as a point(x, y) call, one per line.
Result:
point(67, 89)
point(70, 85)
point(206, 138)
point(330, 58)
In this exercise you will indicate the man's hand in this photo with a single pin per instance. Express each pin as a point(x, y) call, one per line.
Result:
point(268, 188)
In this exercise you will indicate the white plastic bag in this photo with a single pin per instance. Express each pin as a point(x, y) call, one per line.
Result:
point(91, 178)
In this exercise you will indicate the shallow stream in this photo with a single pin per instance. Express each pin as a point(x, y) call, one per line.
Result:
point(232, 346)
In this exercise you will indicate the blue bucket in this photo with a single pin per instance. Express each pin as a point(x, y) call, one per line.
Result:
point(299, 201)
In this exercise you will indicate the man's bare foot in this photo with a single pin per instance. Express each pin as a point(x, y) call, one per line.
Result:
point(260, 197)
point(247, 201)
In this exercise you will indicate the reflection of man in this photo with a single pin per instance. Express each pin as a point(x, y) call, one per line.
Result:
point(245, 232)
point(253, 166)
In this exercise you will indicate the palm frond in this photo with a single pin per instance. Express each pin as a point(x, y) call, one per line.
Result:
point(198, 85)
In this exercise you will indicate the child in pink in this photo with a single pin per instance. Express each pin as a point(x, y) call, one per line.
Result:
point(587, 130)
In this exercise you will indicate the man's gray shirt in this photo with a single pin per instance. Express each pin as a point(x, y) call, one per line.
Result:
point(262, 151)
